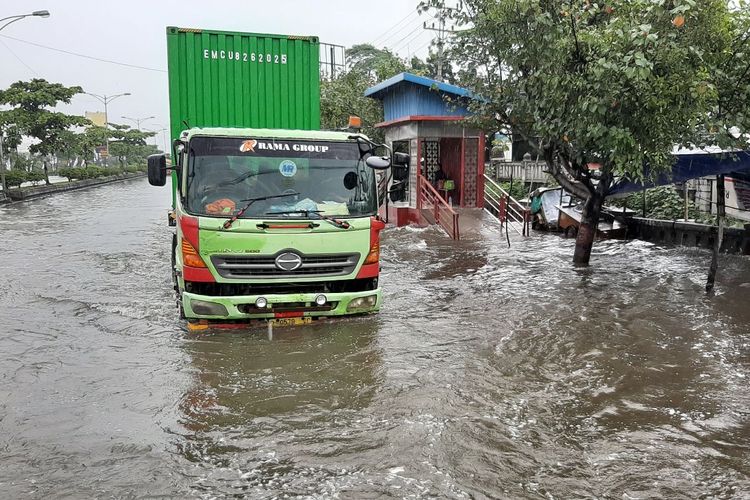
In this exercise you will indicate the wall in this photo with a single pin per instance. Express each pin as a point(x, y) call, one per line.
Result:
point(450, 157)
point(407, 99)
point(18, 194)
point(689, 234)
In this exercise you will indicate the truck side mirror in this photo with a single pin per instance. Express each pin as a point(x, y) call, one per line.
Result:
point(401, 159)
point(157, 169)
point(378, 162)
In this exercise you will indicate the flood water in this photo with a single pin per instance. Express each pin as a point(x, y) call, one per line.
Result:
point(489, 373)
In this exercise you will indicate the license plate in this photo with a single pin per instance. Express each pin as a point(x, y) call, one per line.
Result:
point(291, 321)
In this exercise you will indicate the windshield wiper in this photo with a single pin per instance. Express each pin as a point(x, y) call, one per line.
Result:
point(250, 201)
point(336, 222)
point(238, 179)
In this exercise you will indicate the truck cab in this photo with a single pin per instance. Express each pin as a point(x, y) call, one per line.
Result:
point(274, 224)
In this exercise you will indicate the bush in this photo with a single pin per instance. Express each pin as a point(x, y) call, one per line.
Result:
point(14, 178)
point(69, 173)
point(518, 192)
point(35, 176)
point(92, 172)
point(132, 169)
point(663, 202)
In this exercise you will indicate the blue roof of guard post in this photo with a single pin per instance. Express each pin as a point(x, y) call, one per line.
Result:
point(406, 95)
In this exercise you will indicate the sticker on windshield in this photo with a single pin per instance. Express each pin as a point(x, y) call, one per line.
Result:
point(288, 168)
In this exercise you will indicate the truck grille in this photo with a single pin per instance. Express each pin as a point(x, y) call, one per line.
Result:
point(264, 266)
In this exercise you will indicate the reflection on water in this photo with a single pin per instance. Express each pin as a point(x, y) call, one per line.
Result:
point(490, 372)
point(261, 408)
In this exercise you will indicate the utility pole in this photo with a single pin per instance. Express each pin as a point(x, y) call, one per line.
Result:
point(442, 33)
point(720, 214)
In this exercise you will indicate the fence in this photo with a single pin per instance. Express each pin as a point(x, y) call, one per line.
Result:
point(524, 172)
point(435, 209)
point(505, 208)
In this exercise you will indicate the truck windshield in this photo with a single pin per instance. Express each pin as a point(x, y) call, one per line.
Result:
point(319, 177)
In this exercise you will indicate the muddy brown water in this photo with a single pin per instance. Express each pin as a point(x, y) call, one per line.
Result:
point(490, 372)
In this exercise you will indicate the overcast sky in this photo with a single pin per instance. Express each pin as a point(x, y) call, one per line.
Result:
point(133, 32)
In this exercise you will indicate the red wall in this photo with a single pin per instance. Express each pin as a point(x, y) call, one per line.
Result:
point(450, 157)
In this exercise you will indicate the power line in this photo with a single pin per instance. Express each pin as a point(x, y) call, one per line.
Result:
point(407, 36)
point(408, 42)
point(19, 59)
point(397, 24)
point(424, 45)
point(84, 55)
point(397, 32)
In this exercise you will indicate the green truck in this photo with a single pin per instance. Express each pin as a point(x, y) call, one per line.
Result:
point(274, 219)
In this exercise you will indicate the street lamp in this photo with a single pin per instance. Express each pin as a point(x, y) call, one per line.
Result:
point(137, 120)
point(163, 131)
point(13, 19)
point(105, 99)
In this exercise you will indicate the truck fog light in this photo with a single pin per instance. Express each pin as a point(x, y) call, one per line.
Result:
point(208, 308)
point(362, 303)
point(321, 300)
point(261, 302)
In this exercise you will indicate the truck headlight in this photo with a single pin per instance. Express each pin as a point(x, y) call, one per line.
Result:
point(367, 302)
point(208, 308)
point(321, 300)
point(261, 302)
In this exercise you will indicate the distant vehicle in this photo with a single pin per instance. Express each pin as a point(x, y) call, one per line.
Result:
point(274, 219)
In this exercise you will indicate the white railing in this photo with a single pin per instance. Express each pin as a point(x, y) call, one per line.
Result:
point(500, 204)
point(435, 209)
point(522, 172)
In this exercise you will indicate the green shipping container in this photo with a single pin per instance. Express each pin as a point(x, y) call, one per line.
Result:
point(227, 79)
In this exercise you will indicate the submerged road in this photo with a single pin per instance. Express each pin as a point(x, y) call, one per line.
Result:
point(490, 373)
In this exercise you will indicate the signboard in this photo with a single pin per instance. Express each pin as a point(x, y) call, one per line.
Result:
point(96, 117)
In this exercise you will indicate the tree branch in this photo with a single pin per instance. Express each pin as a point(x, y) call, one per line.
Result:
point(576, 188)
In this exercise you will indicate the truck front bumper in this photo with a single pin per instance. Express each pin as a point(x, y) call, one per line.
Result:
point(280, 305)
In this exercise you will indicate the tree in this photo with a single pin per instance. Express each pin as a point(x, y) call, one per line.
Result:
point(130, 144)
point(29, 112)
point(11, 136)
point(378, 64)
point(604, 90)
point(344, 96)
point(429, 68)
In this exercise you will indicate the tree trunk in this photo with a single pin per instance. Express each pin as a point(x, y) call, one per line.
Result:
point(46, 173)
point(587, 229)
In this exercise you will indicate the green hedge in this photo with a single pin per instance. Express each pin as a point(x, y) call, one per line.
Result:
point(15, 177)
point(135, 168)
point(94, 172)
